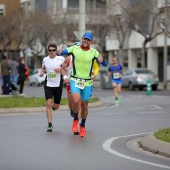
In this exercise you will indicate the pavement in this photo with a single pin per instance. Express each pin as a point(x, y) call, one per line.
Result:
point(148, 143)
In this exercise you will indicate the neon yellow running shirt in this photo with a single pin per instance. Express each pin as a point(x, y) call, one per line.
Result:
point(82, 61)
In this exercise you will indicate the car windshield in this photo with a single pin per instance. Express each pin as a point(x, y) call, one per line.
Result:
point(143, 71)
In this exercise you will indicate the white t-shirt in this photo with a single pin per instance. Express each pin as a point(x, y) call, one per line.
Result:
point(53, 77)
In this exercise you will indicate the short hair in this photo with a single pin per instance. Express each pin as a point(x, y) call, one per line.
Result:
point(114, 57)
point(52, 45)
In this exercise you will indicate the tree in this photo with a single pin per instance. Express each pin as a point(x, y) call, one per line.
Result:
point(143, 16)
point(10, 32)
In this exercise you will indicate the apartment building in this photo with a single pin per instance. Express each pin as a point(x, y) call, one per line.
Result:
point(6, 6)
point(133, 45)
point(7, 9)
point(66, 13)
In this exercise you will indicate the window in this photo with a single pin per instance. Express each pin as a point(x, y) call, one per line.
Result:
point(2, 10)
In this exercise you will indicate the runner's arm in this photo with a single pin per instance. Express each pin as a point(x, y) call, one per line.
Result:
point(42, 71)
point(104, 63)
point(63, 69)
point(62, 52)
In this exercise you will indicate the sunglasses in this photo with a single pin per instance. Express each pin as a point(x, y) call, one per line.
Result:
point(51, 50)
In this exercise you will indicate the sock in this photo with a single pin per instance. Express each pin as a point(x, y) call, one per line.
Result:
point(50, 123)
point(76, 116)
point(116, 98)
point(83, 122)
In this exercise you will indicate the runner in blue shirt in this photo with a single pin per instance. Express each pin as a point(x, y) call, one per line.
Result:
point(115, 70)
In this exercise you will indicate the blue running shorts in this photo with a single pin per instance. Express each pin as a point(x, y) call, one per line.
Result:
point(84, 93)
point(117, 81)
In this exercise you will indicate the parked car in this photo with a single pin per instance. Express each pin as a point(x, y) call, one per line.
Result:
point(138, 77)
point(35, 78)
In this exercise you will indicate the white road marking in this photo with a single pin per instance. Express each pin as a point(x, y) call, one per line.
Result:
point(151, 112)
point(107, 147)
point(156, 107)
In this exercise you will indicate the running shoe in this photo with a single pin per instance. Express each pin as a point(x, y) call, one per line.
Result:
point(82, 132)
point(50, 127)
point(116, 101)
point(75, 126)
point(71, 113)
point(53, 108)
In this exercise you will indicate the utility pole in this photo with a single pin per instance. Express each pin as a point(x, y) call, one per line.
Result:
point(82, 18)
point(165, 49)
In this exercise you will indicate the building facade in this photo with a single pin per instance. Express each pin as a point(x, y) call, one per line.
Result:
point(133, 45)
point(7, 9)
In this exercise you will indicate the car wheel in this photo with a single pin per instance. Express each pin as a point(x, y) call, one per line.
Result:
point(36, 82)
point(141, 88)
point(155, 87)
point(131, 87)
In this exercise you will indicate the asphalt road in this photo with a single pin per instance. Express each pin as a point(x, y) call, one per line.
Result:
point(111, 142)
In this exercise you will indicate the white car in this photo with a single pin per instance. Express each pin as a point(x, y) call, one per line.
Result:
point(35, 78)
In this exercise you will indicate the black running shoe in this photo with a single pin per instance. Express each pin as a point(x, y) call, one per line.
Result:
point(53, 108)
point(50, 127)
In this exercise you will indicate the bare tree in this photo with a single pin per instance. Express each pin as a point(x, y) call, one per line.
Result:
point(165, 20)
point(142, 16)
point(39, 31)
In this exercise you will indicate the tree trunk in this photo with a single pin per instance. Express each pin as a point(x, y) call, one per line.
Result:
point(37, 62)
point(120, 56)
point(143, 55)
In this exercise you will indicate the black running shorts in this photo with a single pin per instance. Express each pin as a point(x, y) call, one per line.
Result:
point(55, 92)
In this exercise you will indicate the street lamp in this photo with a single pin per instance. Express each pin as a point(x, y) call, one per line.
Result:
point(165, 49)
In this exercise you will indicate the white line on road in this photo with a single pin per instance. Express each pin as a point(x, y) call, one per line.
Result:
point(107, 147)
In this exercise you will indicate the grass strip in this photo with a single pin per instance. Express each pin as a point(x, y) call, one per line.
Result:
point(163, 134)
point(21, 102)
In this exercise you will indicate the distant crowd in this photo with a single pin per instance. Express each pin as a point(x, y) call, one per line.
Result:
point(12, 74)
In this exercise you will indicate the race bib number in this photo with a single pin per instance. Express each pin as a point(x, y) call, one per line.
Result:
point(80, 83)
point(52, 75)
point(116, 75)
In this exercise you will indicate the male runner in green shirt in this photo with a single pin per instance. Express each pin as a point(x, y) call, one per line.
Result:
point(80, 79)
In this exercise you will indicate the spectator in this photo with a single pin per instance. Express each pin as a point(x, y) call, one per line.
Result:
point(1, 81)
point(27, 72)
point(5, 68)
point(14, 73)
point(22, 76)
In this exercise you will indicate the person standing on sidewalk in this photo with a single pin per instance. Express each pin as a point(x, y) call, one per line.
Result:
point(22, 77)
point(14, 74)
point(115, 70)
point(80, 79)
point(5, 69)
point(53, 85)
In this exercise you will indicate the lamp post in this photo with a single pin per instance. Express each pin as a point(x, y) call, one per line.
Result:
point(82, 18)
point(165, 50)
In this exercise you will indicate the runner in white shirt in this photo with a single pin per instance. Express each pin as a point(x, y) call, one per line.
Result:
point(54, 82)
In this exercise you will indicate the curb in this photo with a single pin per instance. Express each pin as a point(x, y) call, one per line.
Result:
point(156, 146)
point(42, 109)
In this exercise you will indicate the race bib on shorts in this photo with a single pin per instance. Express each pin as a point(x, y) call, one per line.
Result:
point(80, 83)
point(116, 75)
point(52, 75)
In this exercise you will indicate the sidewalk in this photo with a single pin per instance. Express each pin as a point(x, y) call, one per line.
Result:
point(97, 83)
point(150, 143)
